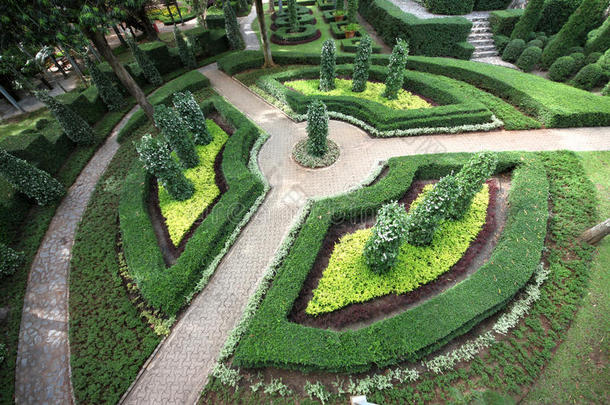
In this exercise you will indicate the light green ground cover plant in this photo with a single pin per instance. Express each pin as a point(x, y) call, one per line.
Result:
point(348, 280)
point(373, 92)
point(180, 215)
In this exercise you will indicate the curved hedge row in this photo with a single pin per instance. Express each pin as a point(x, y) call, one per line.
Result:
point(272, 340)
point(306, 33)
point(166, 288)
point(281, 22)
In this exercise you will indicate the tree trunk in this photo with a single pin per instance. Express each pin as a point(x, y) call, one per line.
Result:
point(204, 23)
point(118, 34)
point(597, 233)
point(59, 67)
point(98, 39)
point(151, 33)
point(74, 64)
point(260, 14)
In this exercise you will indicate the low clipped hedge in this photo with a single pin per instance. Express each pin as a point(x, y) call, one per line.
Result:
point(350, 45)
point(208, 42)
point(166, 288)
point(306, 33)
point(88, 104)
point(450, 7)
point(486, 5)
point(324, 5)
point(336, 28)
point(304, 19)
point(272, 340)
point(503, 22)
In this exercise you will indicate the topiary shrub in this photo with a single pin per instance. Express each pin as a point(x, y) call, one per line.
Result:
point(513, 50)
point(29, 180)
point(579, 60)
point(111, 96)
point(148, 67)
point(362, 63)
point(193, 117)
point(562, 69)
point(232, 27)
point(469, 180)
point(593, 58)
point(75, 127)
point(528, 21)
point(536, 42)
point(588, 77)
point(576, 49)
point(598, 40)
point(383, 246)
point(327, 65)
point(606, 90)
point(396, 69)
point(544, 39)
point(175, 131)
point(187, 56)
point(555, 14)
point(293, 16)
point(352, 11)
point(450, 7)
point(10, 260)
point(423, 219)
point(501, 41)
point(155, 154)
point(529, 58)
point(317, 128)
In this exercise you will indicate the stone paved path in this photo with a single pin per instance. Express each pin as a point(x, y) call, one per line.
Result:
point(43, 359)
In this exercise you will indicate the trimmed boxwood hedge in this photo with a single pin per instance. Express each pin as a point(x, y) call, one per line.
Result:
point(450, 7)
point(351, 45)
point(166, 288)
point(486, 5)
point(271, 340)
point(306, 33)
point(304, 19)
point(337, 31)
point(503, 22)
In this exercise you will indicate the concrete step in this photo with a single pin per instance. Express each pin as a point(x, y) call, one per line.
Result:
point(484, 48)
point(481, 35)
point(476, 30)
point(481, 42)
point(479, 19)
point(485, 54)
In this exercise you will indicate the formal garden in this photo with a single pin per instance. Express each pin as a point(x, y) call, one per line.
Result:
point(304, 201)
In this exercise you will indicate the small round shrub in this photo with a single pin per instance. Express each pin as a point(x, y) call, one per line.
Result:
point(383, 246)
point(362, 64)
point(327, 65)
point(593, 57)
point(544, 39)
point(562, 69)
point(529, 58)
point(513, 50)
point(535, 42)
point(576, 49)
point(10, 260)
point(588, 77)
point(501, 41)
point(396, 69)
point(317, 128)
point(579, 61)
point(193, 117)
point(176, 133)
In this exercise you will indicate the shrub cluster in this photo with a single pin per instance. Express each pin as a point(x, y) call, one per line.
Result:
point(562, 69)
point(529, 58)
point(73, 125)
point(327, 65)
point(450, 7)
point(513, 50)
point(10, 260)
point(317, 128)
point(381, 249)
point(145, 63)
point(588, 77)
point(579, 60)
point(396, 69)
point(175, 131)
point(501, 41)
point(185, 51)
point(112, 97)
point(598, 40)
point(193, 117)
point(155, 154)
point(232, 27)
point(362, 64)
point(528, 21)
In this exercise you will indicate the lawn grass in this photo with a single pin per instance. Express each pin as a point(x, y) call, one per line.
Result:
point(13, 126)
point(579, 373)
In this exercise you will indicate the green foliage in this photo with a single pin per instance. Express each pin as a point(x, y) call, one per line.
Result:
point(176, 132)
point(528, 21)
point(382, 247)
point(111, 95)
point(73, 125)
point(562, 69)
point(327, 65)
point(486, 5)
point(192, 117)
point(317, 128)
point(450, 7)
point(144, 62)
point(396, 67)
point(10, 261)
point(588, 77)
point(156, 157)
point(513, 50)
point(598, 40)
point(593, 57)
point(29, 180)
point(579, 60)
point(352, 11)
point(293, 16)
point(469, 181)
point(187, 55)
point(536, 42)
point(606, 90)
point(586, 17)
point(362, 64)
point(529, 58)
point(232, 27)
point(555, 14)
point(501, 41)
point(502, 22)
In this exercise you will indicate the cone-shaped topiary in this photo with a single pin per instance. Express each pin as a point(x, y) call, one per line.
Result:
point(317, 128)
point(73, 125)
point(292, 15)
point(187, 56)
point(528, 21)
point(10, 260)
point(29, 180)
point(396, 69)
point(362, 63)
point(231, 26)
point(193, 117)
point(352, 11)
point(176, 132)
point(327, 65)
point(423, 219)
point(111, 96)
point(383, 246)
point(470, 179)
point(155, 154)
point(148, 67)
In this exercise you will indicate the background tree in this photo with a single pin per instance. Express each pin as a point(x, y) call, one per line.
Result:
point(260, 16)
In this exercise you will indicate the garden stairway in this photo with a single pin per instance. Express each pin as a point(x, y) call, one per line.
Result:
point(482, 38)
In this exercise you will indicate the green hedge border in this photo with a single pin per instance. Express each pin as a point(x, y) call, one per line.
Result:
point(271, 340)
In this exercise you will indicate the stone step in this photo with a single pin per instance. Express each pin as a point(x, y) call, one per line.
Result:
point(484, 48)
point(480, 30)
point(481, 23)
point(485, 54)
point(480, 35)
point(481, 42)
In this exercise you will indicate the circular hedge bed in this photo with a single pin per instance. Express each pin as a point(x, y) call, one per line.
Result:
point(284, 14)
point(300, 155)
point(306, 33)
point(304, 19)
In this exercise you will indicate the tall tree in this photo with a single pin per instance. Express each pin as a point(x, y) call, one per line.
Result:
point(260, 15)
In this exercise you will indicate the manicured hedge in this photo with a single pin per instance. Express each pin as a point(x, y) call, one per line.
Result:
point(88, 104)
point(159, 54)
point(598, 40)
point(337, 31)
point(274, 341)
point(306, 33)
point(351, 45)
point(304, 19)
point(555, 14)
point(166, 288)
point(450, 7)
point(431, 37)
point(503, 22)
point(486, 5)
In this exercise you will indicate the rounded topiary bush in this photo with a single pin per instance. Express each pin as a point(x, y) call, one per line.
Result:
point(579, 61)
point(576, 49)
point(588, 77)
point(383, 246)
point(562, 69)
point(544, 39)
point(593, 58)
point(529, 58)
point(501, 41)
point(513, 50)
point(535, 42)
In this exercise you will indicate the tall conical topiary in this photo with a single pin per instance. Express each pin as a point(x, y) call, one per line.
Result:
point(176, 133)
point(155, 154)
point(396, 69)
point(185, 51)
point(73, 124)
point(148, 67)
point(317, 128)
point(111, 96)
point(528, 21)
point(293, 17)
point(29, 180)
point(362, 64)
point(470, 179)
point(231, 26)
point(327, 65)
point(193, 117)
point(382, 247)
